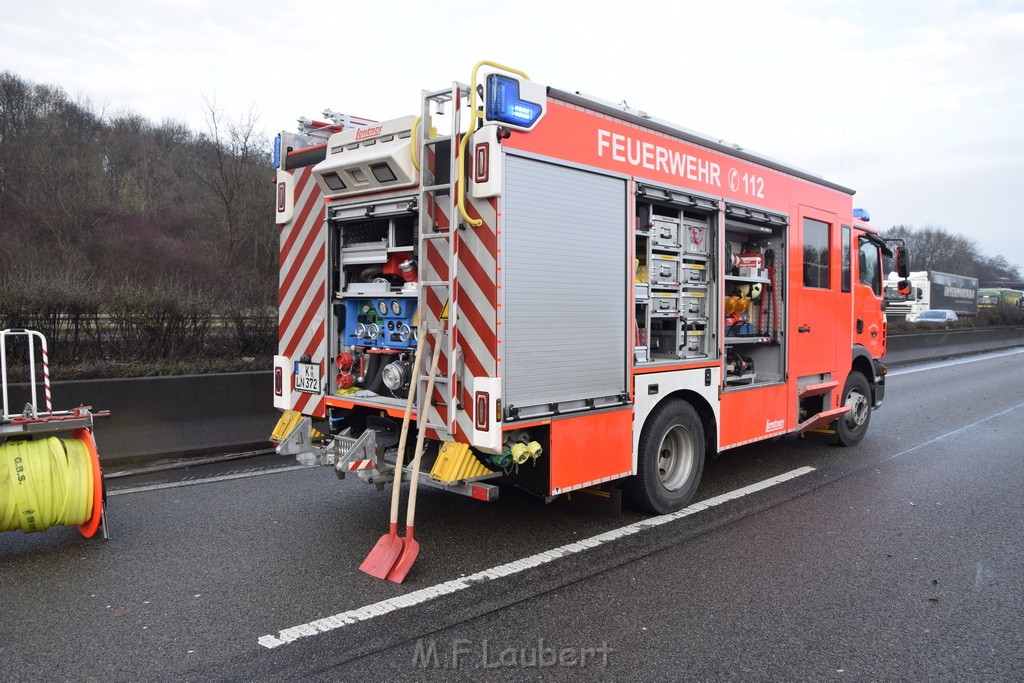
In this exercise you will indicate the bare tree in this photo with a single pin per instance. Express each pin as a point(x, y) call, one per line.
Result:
point(935, 248)
point(996, 270)
point(52, 184)
point(231, 165)
point(114, 198)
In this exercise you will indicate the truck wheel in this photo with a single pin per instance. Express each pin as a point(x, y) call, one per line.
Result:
point(852, 426)
point(670, 459)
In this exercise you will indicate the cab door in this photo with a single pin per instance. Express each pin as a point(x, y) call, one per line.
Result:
point(869, 318)
point(814, 304)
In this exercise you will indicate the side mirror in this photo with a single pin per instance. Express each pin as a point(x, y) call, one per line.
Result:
point(903, 287)
point(902, 258)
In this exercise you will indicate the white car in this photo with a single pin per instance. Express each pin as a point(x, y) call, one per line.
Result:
point(936, 315)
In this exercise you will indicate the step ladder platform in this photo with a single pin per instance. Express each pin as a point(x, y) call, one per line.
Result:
point(818, 389)
point(822, 418)
point(478, 490)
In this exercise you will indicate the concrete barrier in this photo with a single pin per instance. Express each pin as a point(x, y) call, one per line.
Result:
point(909, 348)
point(162, 417)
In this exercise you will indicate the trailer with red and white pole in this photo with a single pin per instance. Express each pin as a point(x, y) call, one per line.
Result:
point(49, 467)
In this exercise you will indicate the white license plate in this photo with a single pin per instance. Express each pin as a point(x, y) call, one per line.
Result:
point(307, 377)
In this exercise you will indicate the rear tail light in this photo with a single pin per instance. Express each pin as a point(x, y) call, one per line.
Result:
point(483, 414)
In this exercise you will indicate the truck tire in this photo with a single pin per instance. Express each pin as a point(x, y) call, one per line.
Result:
point(852, 426)
point(670, 459)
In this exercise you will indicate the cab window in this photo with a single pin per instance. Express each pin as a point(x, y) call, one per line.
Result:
point(816, 254)
point(869, 269)
point(845, 279)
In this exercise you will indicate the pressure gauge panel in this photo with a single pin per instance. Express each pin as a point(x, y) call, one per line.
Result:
point(382, 323)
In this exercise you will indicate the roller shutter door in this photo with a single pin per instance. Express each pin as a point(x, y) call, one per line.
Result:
point(565, 287)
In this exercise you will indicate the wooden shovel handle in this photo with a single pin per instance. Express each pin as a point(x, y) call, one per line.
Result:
point(406, 419)
point(414, 479)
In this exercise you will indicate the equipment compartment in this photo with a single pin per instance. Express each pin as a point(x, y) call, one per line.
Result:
point(693, 344)
point(665, 232)
point(695, 237)
point(665, 303)
point(693, 274)
point(664, 270)
point(672, 301)
point(693, 305)
point(753, 309)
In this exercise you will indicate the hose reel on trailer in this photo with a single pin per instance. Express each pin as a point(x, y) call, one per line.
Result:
point(53, 481)
point(49, 468)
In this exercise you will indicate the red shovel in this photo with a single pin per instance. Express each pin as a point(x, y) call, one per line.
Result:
point(380, 560)
point(410, 548)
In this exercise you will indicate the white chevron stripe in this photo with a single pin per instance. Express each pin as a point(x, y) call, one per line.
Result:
point(486, 211)
point(465, 426)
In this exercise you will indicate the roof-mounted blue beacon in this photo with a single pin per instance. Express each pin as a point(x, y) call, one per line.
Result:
point(514, 102)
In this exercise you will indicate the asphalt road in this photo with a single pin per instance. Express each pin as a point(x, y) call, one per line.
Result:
point(898, 559)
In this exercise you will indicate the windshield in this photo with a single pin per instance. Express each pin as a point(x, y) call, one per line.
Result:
point(932, 315)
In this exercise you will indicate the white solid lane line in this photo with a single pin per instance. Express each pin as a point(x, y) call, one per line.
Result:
point(950, 363)
point(377, 609)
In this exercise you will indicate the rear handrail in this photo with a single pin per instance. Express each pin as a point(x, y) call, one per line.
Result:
point(29, 335)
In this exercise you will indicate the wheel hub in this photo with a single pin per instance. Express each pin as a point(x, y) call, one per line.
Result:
point(675, 458)
point(858, 413)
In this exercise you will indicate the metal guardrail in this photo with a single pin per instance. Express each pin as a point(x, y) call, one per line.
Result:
point(161, 417)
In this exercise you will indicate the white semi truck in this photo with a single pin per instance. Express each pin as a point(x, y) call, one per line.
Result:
point(931, 289)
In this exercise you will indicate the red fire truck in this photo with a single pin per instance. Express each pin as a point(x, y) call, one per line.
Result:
point(612, 297)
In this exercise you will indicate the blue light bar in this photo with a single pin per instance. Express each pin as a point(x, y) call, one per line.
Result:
point(862, 214)
point(504, 104)
point(277, 152)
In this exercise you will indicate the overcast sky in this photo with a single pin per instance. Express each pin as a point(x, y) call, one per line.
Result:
point(919, 106)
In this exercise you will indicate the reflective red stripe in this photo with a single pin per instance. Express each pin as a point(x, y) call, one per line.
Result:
point(322, 145)
point(437, 262)
point(300, 404)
